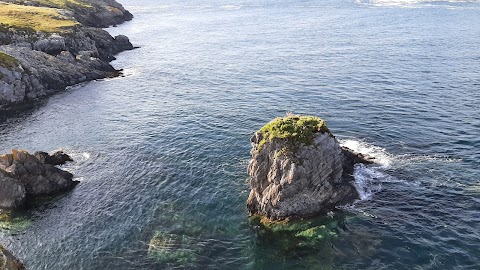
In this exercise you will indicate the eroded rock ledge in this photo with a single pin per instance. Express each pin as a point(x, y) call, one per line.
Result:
point(299, 169)
point(24, 176)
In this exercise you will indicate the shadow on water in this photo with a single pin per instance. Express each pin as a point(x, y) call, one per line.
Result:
point(15, 115)
point(314, 243)
point(17, 222)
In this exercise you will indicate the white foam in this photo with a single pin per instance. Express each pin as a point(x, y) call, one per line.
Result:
point(416, 3)
point(231, 7)
point(368, 180)
point(402, 160)
point(379, 154)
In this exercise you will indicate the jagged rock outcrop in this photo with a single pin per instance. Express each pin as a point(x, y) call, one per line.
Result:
point(8, 261)
point(57, 62)
point(24, 176)
point(299, 169)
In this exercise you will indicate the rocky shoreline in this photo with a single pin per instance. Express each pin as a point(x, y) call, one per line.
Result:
point(37, 60)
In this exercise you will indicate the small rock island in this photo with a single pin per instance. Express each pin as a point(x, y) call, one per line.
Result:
point(24, 176)
point(299, 169)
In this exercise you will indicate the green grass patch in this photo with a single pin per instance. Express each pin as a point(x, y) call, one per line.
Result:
point(62, 3)
point(295, 129)
point(44, 19)
point(7, 60)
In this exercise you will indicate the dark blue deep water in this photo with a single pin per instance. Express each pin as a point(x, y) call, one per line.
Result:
point(164, 149)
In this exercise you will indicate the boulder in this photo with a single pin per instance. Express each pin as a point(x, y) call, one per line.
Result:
point(58, 158)
point(66, 56)
point(298, 169)
point(24, 176)
point(122, 43)
point(52, 45)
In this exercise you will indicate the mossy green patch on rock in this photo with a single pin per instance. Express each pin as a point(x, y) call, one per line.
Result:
point(63, 3)
point(7, 60)
point(294, 128)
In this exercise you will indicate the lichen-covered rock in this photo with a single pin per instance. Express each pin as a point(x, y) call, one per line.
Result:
point(8, 261)
point(299, 169)
point(24, 176)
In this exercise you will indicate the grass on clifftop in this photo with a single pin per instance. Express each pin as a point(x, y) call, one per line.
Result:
point(7, 60)
point(294, 128)
point(62, 3)
point(37, 18)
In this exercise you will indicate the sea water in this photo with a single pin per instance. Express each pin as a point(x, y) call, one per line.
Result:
point(162, 151)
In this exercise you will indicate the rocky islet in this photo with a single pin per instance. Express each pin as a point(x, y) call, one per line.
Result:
point(24, 176)
point(298, 169)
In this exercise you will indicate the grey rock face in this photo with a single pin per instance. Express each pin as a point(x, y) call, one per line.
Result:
point(23, 176)
point(12, 193)
point(12, 89)
point(123, 43)
point(66, 56)
point(52, 45)
point(8, 261)
point(312, 180)
point(58, 158)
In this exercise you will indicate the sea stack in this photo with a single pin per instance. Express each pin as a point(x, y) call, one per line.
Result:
point(298, 169)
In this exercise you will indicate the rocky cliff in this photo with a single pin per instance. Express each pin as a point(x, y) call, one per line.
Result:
point(298, 169)
point(57, 49)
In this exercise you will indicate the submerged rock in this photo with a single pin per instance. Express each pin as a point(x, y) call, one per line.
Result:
point(24, 176)
point(8, 261)
point(299, 169)
point(173, 248)
point(292, 234)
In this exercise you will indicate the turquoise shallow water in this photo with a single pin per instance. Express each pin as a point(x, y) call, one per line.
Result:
point(164, 149)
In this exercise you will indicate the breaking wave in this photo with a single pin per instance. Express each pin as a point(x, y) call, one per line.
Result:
point(369, 178)
point(419, 3)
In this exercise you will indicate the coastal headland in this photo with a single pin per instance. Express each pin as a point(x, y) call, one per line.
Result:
point(47, 45)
